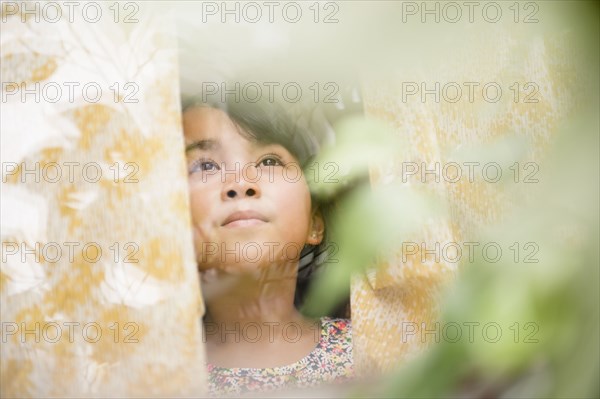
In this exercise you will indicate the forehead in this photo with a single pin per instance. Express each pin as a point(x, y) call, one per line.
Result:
point(211, 129)
point(203, 123)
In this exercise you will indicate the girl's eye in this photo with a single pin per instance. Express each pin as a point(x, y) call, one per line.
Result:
point(270, 160)
point(204, 165)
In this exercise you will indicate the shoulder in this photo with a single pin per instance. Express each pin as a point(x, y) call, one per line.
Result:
point(337, 327)
point(334, 356)
point(337, 333)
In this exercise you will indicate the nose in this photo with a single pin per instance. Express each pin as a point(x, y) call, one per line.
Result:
point(239, 186)
point(233, 193)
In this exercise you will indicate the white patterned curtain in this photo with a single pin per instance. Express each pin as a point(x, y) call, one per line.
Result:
point(99, 289)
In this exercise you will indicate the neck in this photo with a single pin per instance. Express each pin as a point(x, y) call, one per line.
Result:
point(262, 296)
point(251, 320)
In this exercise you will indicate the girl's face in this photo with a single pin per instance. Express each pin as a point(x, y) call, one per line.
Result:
point(250, 203)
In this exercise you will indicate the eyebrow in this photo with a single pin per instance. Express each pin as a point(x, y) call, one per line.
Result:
point(202, 145)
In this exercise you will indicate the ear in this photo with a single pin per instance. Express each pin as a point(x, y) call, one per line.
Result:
point(316, 229)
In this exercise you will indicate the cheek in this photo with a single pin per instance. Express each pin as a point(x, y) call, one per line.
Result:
point(295, 199)
point(200, 204)
point(197, 207)
point(201, 212)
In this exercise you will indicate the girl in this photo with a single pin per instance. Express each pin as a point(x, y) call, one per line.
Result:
point(253, 220)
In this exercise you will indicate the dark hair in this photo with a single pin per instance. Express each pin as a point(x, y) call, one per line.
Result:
point(271, 123)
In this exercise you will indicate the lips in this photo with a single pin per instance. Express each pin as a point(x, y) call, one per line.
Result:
point(244, 218)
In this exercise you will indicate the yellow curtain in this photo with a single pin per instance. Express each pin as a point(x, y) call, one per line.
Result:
point(500, 87)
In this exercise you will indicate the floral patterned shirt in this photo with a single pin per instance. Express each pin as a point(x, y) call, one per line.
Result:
point(330, 361)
